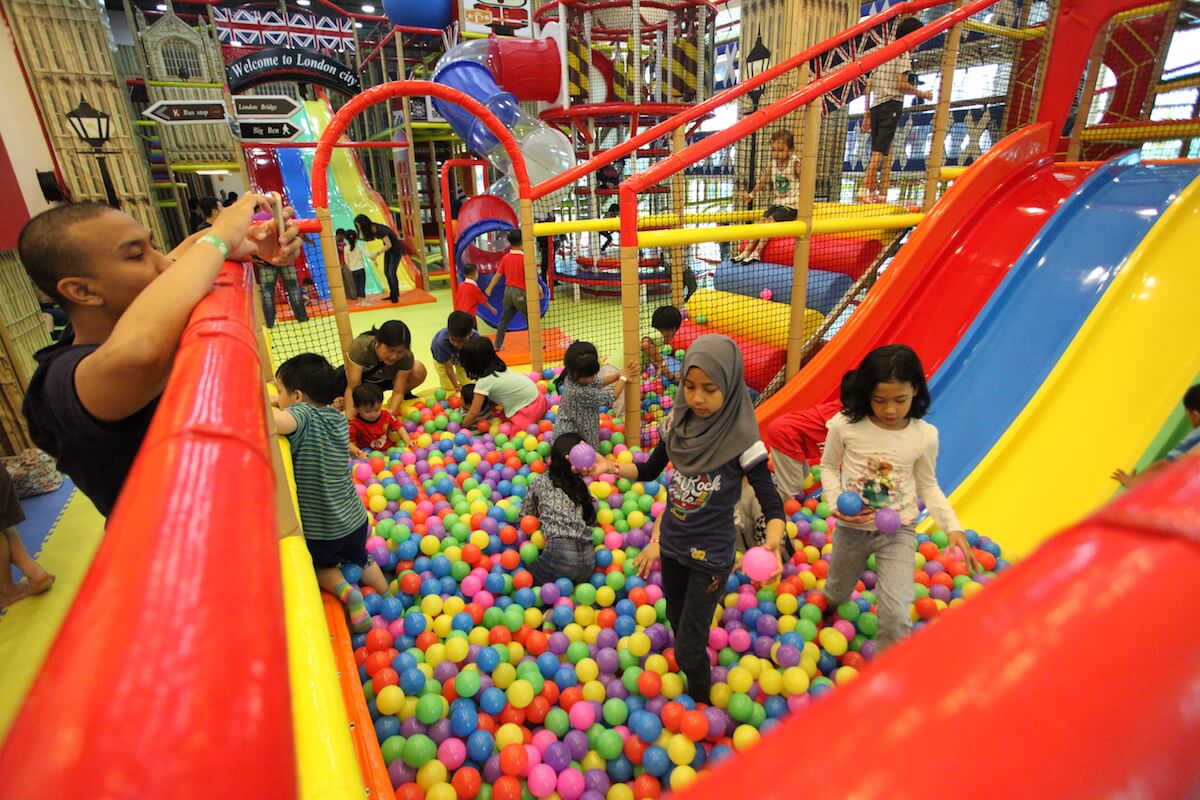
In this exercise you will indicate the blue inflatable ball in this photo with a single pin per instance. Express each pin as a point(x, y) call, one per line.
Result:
point(720, 753)
point(463, 719)
point(414, 624)
point(403, 661)
point(565, 677)
point(849, 504)
point(775, 706)
point(462, 621)
point(373, 709)
point(547, 664)
point(412, 681)
point(656, 761)
point(620, 769)
point(358, 640)
point(352, 573)
point(391, 608)
point(407, 549)
point(447, 585)
point(562, 616)
point(373, 603)
point(524, 598)
point(387, 726)
point(826, 663)
point(439, 566)
point(480, 746)
point(648, 726)
point(625, 625)
point(492, 700)
point(487, 660)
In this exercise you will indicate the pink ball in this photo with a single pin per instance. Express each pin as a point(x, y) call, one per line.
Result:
point(533, 754)
point(452, 752)
point(746, 601)
point(739, 640)
point(846, 628)
point(543, 739)
point(408, 458)
point(542, 781)
point(798, 702)
point(654, 592)
point(612, 540)
point(759, 563)
point(396, 627)
point(766, 294)
point(360, 489)
point(571, 784)
point(376, 542)
point(362, 471)
point(485, 599)
point(657, 509)
point(582, 716)
point(470, 586)
point(718, 638)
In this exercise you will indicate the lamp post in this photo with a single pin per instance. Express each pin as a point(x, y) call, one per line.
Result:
point(756, 61)
point(91, 125)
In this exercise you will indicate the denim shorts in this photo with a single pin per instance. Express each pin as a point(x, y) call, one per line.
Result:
point(564, 557)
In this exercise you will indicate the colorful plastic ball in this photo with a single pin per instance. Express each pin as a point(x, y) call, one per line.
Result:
point(759, 564)
point(766, 294)
point(419, 750)
point(582, 456)
point(849, 503)
point(887, 520)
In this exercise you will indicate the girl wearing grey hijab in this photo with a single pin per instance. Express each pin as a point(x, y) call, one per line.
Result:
point(712, 441)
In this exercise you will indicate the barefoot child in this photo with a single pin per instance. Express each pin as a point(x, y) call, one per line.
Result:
point(712, 440)
point(13, 552)
point(567, 512)
point(331, 513)
point(784, 179)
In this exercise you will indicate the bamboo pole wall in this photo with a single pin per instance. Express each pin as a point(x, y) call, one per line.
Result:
point(63, 60)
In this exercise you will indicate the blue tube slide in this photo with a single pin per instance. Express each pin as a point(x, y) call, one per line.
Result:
point(472, 232)
point(1037, 309)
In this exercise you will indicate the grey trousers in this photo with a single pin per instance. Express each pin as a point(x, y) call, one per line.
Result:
point(894, 554)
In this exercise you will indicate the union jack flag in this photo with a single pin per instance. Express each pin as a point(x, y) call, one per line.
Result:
point(847, 52)
point(245, 27)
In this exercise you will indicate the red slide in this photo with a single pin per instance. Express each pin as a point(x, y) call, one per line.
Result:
point(1075, 674)
point(948, 269)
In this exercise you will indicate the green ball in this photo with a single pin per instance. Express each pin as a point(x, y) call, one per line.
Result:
point(466, 683)
point(392, 748)
point(429, 708)
point(871, 563)
point(606, 447)
point(503, 652)
point(390, 492)
point(543, 449)
point(857, 642)
point(615, 581)
point(808, 611)
point(702, 318)
point(741, 707)
point(369, 691)
point(514, 617)
point(615, 711)
point(819, 525)
point(728, 657)
point(419, 750)
point(617, 438)
point(576, 652)
point(823, 509)
point(593, 734)
point(645, 503)
point(807, 629)
point(557, 722)
point(758, 715)
point(867, 623)
point(940, 538)
point(528, 552)
point(609, 744)
point(439, 393)
point(660, 608)
point(629, 677)
point(627, 661)
point(920, 590)
point(815, 472)
point(492, 617)
point(821, 681)
point(680, 353)
point(512, 513)
point(460, 570)
point(585, 594)
point(849, 611)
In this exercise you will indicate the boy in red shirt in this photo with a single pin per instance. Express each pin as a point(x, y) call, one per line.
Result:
point(512, 269)
point(373, 428)
point(468, 297)
point(796, 440)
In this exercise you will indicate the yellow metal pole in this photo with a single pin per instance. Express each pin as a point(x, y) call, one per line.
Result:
point(808, 185)
point(337, 291)
point(632, 338)
point(733, 233)
point(678, 188)
point(941, 115)
point(532, 306)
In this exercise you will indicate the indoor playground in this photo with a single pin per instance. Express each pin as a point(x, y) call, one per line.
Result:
point(1024, 227)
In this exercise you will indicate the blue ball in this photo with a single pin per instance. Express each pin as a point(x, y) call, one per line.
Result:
point(492, 700)
point(625, 625)
point(565, 677)
point(464, 720)
point(494, 583)
point(412, 681)
point(480, 745)
point(462, 621)
point(620, 769)
point(439, 566)
point(826, 663)
point(387, 726)
point(407, 549)
point(649, 726)
point(487, 660)
point(656, 761)
point(414, 624)
point(547, 664)
point(352, 573)
point(391, 608)
point(373, 603)
point(849, 504)
point(403, 661)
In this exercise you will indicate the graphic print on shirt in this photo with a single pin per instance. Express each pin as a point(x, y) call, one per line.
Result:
point(881, 486)
point(689, 494)
point(783, 184)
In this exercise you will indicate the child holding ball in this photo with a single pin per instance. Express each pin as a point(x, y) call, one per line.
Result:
point(712, 440)
point(582, 392)
point(334, 520)
point(564, 506)
point(880, 448)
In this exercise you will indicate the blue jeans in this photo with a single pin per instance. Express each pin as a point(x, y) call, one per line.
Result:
point(564, 557)
point(269, 274)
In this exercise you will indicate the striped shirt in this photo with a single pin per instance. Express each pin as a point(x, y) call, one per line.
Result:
point(329, 506)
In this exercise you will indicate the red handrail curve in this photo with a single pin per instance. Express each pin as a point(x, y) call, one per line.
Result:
point(749, 124)
point(169, 677)
point(721, 98)
point(385, 91)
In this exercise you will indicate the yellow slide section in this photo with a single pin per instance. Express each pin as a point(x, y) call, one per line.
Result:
point(1122, 375)
point(348, 177)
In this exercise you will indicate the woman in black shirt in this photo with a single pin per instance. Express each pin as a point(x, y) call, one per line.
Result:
point(369, 230)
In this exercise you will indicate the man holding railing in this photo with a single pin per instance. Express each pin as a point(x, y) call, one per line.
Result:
point(885, 100)
point(92, 397)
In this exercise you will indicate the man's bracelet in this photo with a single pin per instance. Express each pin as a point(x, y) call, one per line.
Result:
point(213, 240)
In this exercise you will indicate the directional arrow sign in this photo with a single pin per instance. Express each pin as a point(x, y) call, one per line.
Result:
point(186, 112)
point(273, 130)
point(266, 106)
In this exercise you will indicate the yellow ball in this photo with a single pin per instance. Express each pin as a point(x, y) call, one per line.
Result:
point(672, 685)
point(605, 515)
point(809, 665)
point(971, 589)
point(443, 625)
point(594, 692)
point(681, 777)
point(431, 604)
point(585, 615)
point(433, 773)
point(430, 545)
point(479, 636)
point(390, 700)
point(375, 490)
point(516, 651)
point(436, 654)
point(795, 681)
point(479, 539)
point(424, 440)
point(625, 457)
point(453, 552)
point(770, 681)
point(444, 791)
point(808, 580)
point(787, 603)
point(811, 650)
point(509, 733)
point(645, 616)
point(573, 631)
point(745, 737)
point(834, 641)
point(636, 519)
point(520, 693)
point(657, 663)
point(601, 490)
point(720, 694)
point(377, 503)
point(587, 670)
point(844, 675)
point(681, 750)
point(639, 644)
point(504, 675)
point(619, 557)
point(592, 760)
point(619, 791)
point(591, 634)
point(740, 679)
point(539, 539)
point(453, 605)
point(752, 663)
point(787, 623)
point(605, 596)
point(409, 709)
point(534, 617)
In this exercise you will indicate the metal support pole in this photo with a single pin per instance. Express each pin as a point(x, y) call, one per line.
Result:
point(808, 184)
point(678, 195)
point(532, 306)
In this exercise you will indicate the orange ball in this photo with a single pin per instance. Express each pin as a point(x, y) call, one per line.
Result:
point(635, 748)
point(694, 725)
point(569, 697)
point(522, 579)
point(536, 643)
point(537, 710)
point(510, 559)
point(645, 787)
point(426, 640)
point(385, 677)
point(410, 791)
point(649, 683)
point(377, 661)
point(926, 607)
point(514, 760)
point(530, 523)
point(672, 715)
point(378, 639)
point(466, 783)
point(506, 787)
point(512, 714)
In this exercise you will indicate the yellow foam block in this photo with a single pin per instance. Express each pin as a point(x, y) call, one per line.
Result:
point(762, 321)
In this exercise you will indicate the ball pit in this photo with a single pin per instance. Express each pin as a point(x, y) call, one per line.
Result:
point(482, 684)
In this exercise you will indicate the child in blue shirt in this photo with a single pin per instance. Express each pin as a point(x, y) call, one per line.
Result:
point(332, 515)
point(1191, 404)
point(446, 346)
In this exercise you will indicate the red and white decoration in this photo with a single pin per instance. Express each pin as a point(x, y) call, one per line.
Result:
point(247, 27)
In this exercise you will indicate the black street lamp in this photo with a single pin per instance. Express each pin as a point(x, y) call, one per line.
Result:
point(91, 125)
point(756, 61)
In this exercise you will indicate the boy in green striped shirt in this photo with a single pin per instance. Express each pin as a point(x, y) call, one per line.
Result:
point(332, 515)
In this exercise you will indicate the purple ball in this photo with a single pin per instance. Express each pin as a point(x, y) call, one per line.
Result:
point(658, 636)
point(557, 756)
point(597, 780)
point(719, 674)
point(887, 520)
point(559, 643)
point(577, 742)
point(592, 794)
point(655, 704)
point(636, 538)
point(607, 638)
point(401, 773)
point(869, 579)
point(491, 769)
point(732, 617)
point(440, 731)
point(762, 646)
point(607, 658)
point(868, 649)
point(411, 727)
point(817, 539)
point(550, 594)
point(934, 567)
point(767, 626)
point(788, 655)
point(803, 528)
point(718, 722)
point(445, 671)
point(939, 592)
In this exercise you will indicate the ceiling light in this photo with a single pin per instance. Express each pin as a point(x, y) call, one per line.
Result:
point(161, 6)
point(303, 2)
point(358, 24)
point(368, 9)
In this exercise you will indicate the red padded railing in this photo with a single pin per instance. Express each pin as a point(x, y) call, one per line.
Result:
point(169, 677)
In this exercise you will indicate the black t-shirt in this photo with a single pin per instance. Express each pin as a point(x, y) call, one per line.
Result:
point(96, 455)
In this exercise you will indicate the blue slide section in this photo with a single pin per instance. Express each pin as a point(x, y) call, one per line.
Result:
point(299, 192)
point(1018, 337)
